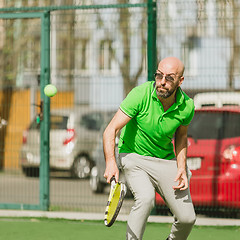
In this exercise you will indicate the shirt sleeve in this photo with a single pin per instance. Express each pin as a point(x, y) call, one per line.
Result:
point(131, 104)
point(190, 117)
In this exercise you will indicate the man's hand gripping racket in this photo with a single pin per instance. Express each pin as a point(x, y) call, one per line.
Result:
point(115, 200)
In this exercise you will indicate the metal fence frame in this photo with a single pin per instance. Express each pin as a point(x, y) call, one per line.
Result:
point(43, 13)
point(44, 126)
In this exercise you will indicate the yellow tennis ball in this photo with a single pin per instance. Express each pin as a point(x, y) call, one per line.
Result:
point(50, 90)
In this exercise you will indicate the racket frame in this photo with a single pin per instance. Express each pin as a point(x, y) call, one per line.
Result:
point(120, 201)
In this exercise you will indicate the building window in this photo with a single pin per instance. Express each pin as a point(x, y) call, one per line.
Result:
point(32, 54)
point(190, 56)
point(105, 55)
point(62, 52)
point(82, 53)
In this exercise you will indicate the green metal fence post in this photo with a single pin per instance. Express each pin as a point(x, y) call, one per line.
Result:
point(152, 35)
point(152, 46)
point(45, 123)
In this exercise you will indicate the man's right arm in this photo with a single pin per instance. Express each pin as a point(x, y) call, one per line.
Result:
point(117, 123)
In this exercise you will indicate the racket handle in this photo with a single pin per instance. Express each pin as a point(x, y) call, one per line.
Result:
point(113, 179)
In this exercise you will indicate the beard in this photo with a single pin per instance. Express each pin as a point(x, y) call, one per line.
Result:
point(167, 93)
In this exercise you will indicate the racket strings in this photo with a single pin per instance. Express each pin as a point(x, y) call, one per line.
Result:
point(114, 203)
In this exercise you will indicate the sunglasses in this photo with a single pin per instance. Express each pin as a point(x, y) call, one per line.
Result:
point(160, 76)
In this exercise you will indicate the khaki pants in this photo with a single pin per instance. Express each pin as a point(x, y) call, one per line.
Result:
point(144, 176)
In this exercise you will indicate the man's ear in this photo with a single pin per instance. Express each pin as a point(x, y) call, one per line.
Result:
point(181, 81)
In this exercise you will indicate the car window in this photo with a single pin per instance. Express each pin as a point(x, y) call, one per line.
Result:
point(231, 125)
point(206, 125)
point(208, 105)
point(34, 125)
point(214, 125)
point(92, 121)
point(230, 104)
point(109, 117)
point(56, 122)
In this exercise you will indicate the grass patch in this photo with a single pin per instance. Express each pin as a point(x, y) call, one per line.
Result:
point(62, 229)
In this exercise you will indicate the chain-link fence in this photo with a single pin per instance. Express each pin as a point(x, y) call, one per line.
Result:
point(97, 55)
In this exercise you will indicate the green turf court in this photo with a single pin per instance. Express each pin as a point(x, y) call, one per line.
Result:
point(60, 229)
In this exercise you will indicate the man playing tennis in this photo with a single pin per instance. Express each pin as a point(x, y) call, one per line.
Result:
point(151, 115)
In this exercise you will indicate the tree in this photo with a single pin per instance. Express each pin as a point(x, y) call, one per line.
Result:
point(130, 80)
point(235, 50)
point(67, 41)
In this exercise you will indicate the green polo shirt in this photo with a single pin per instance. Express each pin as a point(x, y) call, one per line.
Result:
point(151, 129)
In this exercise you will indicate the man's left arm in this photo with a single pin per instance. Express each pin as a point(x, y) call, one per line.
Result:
point(181, 154)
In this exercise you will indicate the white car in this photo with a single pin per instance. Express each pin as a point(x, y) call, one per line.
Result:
point(74, 133)
point(216, 99)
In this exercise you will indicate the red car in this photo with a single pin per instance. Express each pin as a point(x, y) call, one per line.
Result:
point(214, 158)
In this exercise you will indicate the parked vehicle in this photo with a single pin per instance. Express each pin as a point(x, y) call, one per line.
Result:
point(217, 99)
point(97, 181)
point(214, 158)
point(73, 135)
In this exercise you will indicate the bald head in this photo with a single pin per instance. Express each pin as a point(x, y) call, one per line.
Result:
point(172, 65)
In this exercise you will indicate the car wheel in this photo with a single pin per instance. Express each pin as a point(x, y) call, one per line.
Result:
point(81, 167)
point(95, 184)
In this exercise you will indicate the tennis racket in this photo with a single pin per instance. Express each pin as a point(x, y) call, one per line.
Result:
point(115, 200)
